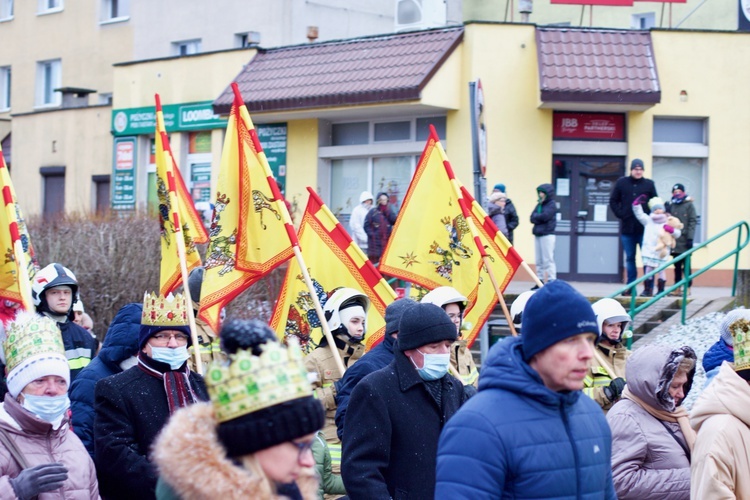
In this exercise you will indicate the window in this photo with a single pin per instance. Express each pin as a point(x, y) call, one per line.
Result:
point(49, 6)
point(54, 191)
point(6, 10)
point(4, 88)
point(101, 193)
point(643, 21)
point(348, 134)
point(105, 98)
point(249, 39)
point(115, 10)
point(187, 47)
point(48, 78)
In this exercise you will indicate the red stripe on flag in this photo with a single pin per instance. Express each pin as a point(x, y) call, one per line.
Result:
point(177, 224)
point(369, 273)
point(482, 250)
point(292, 234)
point(7, 195)
point(158, 102)
point(14, 234)
point(449, 169)
point(513, 258)
point(170, 182)
point(339, 236)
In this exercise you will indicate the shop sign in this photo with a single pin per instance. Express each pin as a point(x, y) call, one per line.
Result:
point(123, 186)
point(272, 139)
point(177, 117)
point(588, 126)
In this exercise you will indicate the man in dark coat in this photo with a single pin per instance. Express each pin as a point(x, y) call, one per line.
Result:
point(379, 223)
point(133, 406)
point(544, 218)
point(396, 413)
point(530, 432)
point(119, 347)
point(378, 357)
point(626, 190)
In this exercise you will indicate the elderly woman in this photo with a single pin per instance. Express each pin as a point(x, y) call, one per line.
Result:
point(39, 456)
point(651, 435)
point(254, 439)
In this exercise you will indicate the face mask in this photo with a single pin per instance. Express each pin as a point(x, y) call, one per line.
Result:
point(435, 365)
point(129, 363)
point(49, 408)
point(173, 357)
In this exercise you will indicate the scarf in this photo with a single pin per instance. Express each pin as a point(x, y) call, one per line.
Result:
point(176, 382)
point(680, 415)
point(659, 218)
point(677, 199)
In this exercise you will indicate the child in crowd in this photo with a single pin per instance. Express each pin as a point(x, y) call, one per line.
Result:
point(653, 224)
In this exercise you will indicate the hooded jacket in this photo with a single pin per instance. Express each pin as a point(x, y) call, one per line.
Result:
point(120, 343)
point(714, 357)
point(518, 439)
point(41, 444)
point(721, 457)
point(647, 459)
point(543, 216)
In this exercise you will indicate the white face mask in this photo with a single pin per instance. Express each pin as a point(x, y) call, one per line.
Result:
point(49, 408)
point(173, 357)
point(129, 363)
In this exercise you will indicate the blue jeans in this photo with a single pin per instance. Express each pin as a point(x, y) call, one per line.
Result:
point(629, 242)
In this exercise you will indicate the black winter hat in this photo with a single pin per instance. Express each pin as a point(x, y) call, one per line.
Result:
point(195, 283)
point(679, 186)
point(424, 324)
point(394, 312)
point(636, 163)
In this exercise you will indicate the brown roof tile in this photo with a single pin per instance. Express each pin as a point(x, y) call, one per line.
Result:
point(594, 65)
point(375, 69)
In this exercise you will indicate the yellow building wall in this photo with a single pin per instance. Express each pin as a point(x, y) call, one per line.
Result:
point(302, 163)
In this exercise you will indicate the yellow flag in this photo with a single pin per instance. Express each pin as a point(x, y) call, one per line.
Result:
point(251, 232)
point(175, 204)
point(334, 261)
point(445, 245)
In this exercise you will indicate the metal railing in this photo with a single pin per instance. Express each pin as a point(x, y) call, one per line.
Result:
point(684, 283)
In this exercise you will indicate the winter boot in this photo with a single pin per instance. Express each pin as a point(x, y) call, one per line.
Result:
point(660, 285)
point(648, 288)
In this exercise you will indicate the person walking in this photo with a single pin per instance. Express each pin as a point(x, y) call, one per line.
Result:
point(530, 432)
point(681, 206)
point(626, 190)
point(357, 220)
point(378, 226)
point(544, 219)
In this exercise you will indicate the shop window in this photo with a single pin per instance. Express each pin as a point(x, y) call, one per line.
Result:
point(675, 130)
point(348, 134)
point(53, 180)
point(392, 131)
point(199, 142)
point(349, 178)
point(423, 127)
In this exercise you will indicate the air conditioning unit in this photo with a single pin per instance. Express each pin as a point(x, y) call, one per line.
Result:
point(420, 14)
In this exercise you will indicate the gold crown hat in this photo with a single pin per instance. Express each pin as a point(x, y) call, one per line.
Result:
point(740, 330)
point(262, 400)
point(163, 313)
point(33, 349)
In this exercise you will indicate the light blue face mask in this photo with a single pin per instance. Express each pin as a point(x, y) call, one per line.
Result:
point(435, 365)
point(49, 408)
point(173, 357)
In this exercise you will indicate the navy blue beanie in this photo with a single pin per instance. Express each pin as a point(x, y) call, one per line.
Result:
point(393, 314)
point(554, 313)
point(148, 331)
point(423, 324)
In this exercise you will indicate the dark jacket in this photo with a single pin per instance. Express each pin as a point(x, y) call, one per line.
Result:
point(518, 439)
point(511, 218)
point(378, 226)
point(685, 211)
point(390, 440)
point(80, 347)
point(120, 343)
point(626, 190)
point(131, 408)
point(544, 214)
point(378, 357)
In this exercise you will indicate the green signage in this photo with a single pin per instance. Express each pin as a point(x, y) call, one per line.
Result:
point(177, 117)
point(123, 187)
point(272, 139)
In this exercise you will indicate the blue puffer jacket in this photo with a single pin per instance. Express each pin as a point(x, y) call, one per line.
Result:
point(120, 343)
point(518, 439)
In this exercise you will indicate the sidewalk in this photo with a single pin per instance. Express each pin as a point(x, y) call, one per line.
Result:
point(605, 289)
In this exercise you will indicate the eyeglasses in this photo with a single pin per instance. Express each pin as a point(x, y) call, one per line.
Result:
point(303, 448)
point(163, 338)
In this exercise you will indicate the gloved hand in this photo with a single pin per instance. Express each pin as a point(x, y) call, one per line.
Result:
point(34, 480)
point(668, 228)
point(640, 199)
point(690, 243)
point(614, 390)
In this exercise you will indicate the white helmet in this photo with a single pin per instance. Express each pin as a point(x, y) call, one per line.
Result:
point(444, 295)
point(517, 307)
point(340, 298)
point(49, 277)
point(612, 311)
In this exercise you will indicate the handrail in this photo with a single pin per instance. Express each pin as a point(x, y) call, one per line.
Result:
point(687, 277)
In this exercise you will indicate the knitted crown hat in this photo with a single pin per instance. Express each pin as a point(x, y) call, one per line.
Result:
point(740, 329)
point(163, 313)
point(555, 312)
point(423, 324)
point(34, 349)
point(261, 400)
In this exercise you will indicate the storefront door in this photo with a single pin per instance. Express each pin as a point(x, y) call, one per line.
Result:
point(587, 244)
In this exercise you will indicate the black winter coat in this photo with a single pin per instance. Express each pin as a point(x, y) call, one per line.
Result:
point(391, 436)
point(378, 226)
point(131, 408)
point(544, 215)
point(626, 190)
point(511, 218)
point(120, 343)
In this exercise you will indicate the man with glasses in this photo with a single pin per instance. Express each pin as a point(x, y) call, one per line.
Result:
point(133, 406)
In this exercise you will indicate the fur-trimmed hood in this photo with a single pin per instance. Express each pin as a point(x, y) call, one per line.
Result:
point(193, 462)
point(650, 370)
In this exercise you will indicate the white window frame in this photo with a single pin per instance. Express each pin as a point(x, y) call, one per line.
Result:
point(45, 88)
point(191, 47)
point(5, 88)
point(45, 8)
point(6, 10)
point(121, 6)
point(247, 39)
point(645, 17)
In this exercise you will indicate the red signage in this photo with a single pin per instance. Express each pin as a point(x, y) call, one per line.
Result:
point(592, 126)
point(611, 3)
